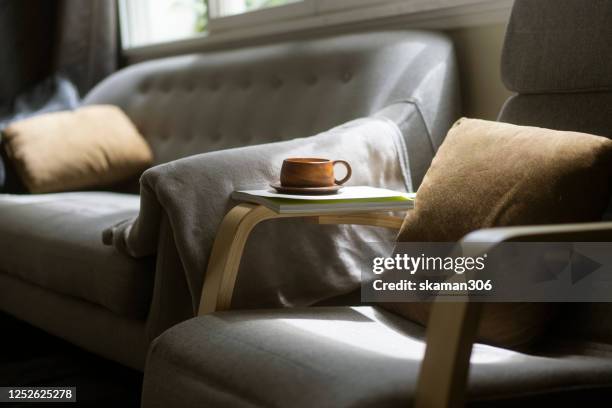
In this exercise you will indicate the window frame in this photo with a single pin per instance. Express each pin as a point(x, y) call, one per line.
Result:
point(128, 12)
point(314, 15)
point(217, 23)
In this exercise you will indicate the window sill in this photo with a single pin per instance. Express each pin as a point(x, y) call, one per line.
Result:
point(423, 14)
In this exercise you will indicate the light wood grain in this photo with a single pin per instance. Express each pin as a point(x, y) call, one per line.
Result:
point(451, 332)
point(371, 219)
point(233, 234)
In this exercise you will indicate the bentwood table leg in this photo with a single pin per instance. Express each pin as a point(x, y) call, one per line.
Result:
point(227, 253)
point(233, 234)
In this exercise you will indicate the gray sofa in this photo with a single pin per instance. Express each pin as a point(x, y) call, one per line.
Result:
point(54, 271)
point(557, 58)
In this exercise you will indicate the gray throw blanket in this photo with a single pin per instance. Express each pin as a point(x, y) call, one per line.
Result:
point(286, 262)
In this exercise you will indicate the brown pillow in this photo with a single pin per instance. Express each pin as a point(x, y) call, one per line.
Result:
point(491, 174)
point(89, 147)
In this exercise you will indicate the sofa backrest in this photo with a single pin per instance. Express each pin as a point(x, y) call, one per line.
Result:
point(558, 58)
point(216, 100)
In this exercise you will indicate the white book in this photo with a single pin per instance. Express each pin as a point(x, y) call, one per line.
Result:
point(348, 199)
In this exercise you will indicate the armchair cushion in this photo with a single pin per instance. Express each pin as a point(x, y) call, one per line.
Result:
point(89, 147)
point(343, 357)
point(515, 176)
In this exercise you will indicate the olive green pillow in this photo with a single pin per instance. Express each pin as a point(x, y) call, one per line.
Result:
point(491, 174)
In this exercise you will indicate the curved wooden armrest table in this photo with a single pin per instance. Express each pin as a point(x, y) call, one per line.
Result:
point(232, 237)
point(451, 329)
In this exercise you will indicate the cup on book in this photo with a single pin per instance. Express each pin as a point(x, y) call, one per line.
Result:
point(308, 172)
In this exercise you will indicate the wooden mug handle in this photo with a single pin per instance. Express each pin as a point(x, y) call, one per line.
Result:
point(349, 171)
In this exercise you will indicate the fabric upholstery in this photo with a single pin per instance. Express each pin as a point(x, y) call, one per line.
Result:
point(89, 147)
point(490, 174)
point(558, 56)
point(577, 112)
point(53, 241)
point(197, 103)
point(80, 322)
point(336, 357)
point(558, 46)
point(419, 151)
point(170, 304)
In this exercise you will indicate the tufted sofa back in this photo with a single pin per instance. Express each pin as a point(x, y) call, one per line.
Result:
point(197, 103)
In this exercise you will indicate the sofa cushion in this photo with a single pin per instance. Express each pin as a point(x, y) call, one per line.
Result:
point(53, 240)
point(489, 174)
point(70, 150)
point(335, 357)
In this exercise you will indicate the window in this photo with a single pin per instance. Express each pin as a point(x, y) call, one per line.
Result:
point(224, 8)
point(147, 22)
point(226, 15)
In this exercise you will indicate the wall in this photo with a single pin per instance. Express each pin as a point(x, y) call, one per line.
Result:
point(479, 52)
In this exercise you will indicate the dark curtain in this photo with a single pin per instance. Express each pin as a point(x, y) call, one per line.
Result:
point(40, 38)
point(27, 30)
point(87, 41)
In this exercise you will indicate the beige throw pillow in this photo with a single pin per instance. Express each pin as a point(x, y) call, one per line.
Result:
point(491, 174)
point(90, 147)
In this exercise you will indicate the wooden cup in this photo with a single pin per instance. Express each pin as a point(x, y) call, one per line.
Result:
point(312, 172)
